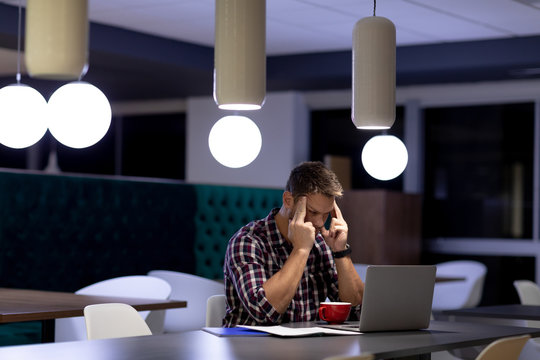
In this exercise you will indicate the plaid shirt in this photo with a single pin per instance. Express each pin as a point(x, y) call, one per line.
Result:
point(254, 254)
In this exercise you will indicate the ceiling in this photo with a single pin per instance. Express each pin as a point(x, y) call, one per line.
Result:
point(135, 42)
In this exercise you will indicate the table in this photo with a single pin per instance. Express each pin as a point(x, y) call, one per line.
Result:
point(18, 305)
point(514, 311)
point(441, 335)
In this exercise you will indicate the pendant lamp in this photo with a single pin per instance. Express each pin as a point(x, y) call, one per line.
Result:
point(79, 114)
point(374, 73)
point(22, 120)
point(56, 39)
point(240, 54)
point(235, 141)
point(384, 157)
point(22, 109)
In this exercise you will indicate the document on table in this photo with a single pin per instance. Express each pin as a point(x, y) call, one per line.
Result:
point(289, 331)
point(233, 331)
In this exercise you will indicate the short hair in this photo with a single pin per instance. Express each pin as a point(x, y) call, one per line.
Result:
point(312, 177)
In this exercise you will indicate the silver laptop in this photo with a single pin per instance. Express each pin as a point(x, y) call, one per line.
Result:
point(396, 297)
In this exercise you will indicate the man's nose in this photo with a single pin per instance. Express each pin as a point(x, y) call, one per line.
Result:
point(318, 222)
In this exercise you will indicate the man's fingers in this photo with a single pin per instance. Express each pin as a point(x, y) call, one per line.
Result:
point(336, 212)
point(300, 213)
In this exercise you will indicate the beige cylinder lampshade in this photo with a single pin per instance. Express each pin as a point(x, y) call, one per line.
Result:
point(374, 73)
point(240, 54)
point(56, 39)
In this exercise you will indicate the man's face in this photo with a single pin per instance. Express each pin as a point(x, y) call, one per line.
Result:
point(318, 207)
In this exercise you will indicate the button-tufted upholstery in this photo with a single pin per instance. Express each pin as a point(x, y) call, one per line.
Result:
point(63, 233)
point(221, 211)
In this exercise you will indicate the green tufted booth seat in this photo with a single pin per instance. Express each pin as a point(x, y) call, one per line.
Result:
point(62, 233)
point(221, 211)
point(65, 232)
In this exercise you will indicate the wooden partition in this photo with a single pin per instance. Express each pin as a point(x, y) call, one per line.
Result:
point(384, 226)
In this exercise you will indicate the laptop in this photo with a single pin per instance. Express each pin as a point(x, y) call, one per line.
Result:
point(396, 297)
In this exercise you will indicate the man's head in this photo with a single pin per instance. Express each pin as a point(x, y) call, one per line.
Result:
point(319, 185)
point(312, 177)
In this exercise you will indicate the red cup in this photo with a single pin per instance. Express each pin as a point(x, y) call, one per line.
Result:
point(334, 312)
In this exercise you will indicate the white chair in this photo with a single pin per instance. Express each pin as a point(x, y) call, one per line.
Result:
point(105, 321)
point(459, 293)
point(508, 348)
point(139, 286)
point(195, 290)
point(528, 292)
point(504, 349)
point(531, 350)
point(361, 269)
point(216, 307)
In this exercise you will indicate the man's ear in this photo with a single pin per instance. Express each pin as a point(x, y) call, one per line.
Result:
point(288, 200)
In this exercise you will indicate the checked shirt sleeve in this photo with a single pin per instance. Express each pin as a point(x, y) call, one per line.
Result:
point(247, 266)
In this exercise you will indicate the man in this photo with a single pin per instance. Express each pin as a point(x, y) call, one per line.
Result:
point(280, 268)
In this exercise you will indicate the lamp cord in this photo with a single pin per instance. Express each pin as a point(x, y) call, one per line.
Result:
point(18, 77)
point(374, 6)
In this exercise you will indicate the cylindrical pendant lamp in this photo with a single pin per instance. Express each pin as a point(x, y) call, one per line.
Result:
point(374, 73)
point(240, 54)
point(56, 39)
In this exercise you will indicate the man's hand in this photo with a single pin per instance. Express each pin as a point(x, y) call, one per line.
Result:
point(301, 234)
point(336, 235)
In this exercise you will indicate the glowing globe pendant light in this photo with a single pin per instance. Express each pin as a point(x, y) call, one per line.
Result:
point(235, 141)
point(22, 108)
point(79, 114)
point(384, 157)
point(22, 120)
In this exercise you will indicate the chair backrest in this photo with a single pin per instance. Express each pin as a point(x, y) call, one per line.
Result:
point(460, 293)
point(141, 286)
point(361, 269)
point(195, 290)
point(529, 294)
point(105, 321)
point(216, 307)
point(504, 349)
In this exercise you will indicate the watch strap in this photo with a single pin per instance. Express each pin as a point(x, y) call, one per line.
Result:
point(342, 253)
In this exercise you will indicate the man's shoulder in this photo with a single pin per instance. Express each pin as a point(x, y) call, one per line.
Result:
point(254, 230)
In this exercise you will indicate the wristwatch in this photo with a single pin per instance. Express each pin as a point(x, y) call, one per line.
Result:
point(342, 253)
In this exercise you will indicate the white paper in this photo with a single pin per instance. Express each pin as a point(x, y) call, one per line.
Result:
point(288, 331)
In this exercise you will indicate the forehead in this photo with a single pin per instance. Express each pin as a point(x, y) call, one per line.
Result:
point(319, 203)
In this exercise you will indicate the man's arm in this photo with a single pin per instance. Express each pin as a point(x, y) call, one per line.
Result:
point(351, 287)
point(282, 286)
